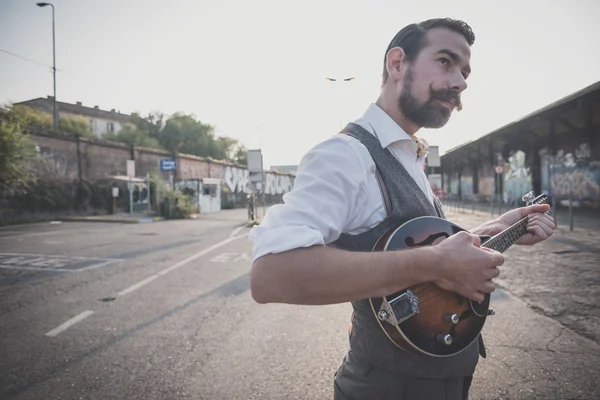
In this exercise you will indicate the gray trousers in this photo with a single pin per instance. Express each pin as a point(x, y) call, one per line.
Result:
point(356, 380)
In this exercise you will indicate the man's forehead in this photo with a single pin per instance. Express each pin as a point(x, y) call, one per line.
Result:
point(443, 38)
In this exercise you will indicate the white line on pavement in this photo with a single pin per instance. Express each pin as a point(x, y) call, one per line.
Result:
point(137, 285)
point(69, 323)
point(179, 264)
point(236, 230)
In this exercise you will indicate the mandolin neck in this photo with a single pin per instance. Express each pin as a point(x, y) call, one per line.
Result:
point(502, 241)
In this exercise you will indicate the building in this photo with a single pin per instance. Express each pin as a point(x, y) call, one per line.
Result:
point(288, 169)
point(101, 121)
point(555, 150)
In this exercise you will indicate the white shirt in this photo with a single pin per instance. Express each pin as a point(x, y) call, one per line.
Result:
point(336, 190)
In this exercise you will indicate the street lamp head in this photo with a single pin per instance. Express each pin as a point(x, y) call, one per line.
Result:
point(43, 4)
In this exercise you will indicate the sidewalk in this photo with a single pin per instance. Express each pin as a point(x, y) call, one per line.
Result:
point(531, 356)
point(123, 218)
point(544, 341)
point(237, 214)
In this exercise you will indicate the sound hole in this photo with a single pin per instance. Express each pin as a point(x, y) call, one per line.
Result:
point(410, 242)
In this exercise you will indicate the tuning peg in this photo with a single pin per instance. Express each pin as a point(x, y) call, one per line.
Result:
point(528, 198)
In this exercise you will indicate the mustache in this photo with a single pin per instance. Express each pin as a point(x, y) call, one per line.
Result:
point(447, 95)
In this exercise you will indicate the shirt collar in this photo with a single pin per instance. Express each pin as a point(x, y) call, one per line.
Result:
point(386, 129)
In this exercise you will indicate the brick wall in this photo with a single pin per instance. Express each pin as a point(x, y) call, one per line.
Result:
point(63, 158)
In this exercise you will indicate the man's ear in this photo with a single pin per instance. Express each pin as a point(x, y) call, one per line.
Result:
point(394, 61)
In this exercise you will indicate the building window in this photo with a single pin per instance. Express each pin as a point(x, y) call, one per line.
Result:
point(110, 126)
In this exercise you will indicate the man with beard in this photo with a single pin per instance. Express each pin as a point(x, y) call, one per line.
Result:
point(353, 187)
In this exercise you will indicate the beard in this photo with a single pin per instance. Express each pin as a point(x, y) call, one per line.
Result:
point(429, 114)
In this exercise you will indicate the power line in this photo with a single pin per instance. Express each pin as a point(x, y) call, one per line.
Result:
point(26, 59)
point(41, 64)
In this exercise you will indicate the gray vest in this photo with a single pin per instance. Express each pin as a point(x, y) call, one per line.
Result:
point(404, 201)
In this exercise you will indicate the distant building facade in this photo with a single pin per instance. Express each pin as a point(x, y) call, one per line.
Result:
point(288, 169)
point(101, 121)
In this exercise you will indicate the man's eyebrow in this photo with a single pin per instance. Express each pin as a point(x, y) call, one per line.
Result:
point(455, 57)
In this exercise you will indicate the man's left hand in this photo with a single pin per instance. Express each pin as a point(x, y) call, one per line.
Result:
point(540, 227)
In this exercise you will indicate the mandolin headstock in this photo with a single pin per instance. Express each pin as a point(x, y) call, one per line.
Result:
point(531, 199)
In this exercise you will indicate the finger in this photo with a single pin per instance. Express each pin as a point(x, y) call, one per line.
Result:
point(546, 227)
point(548, 220)
point(492, 273)
point(497, 258)
point(487, 287)
point(476, 240)
point(537, 231)
point(536, 208)
point(476, 296)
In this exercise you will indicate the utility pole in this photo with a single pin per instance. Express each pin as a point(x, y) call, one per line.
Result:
point(55, 113)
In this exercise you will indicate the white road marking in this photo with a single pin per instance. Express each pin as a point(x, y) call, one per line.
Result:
point(242, 257)
point(179, 264)
point(49, 262)
point(69, 323)
point(137, 285)
point(223, 257)
point(37, 268)
point(236, 230)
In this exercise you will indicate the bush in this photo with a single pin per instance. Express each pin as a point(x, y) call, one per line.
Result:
point(64, 197)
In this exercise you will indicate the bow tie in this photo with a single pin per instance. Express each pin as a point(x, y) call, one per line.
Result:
point(422, 146)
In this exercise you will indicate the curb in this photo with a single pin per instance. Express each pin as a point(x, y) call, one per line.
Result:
point(114, 220)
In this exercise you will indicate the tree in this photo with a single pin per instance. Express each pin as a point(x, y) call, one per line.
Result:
point(75, 125)
point(132, 136)
point(34, 120)
point(16, 151)
point(241, 155)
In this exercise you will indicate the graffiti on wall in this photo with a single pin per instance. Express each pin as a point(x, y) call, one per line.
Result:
point(486, 180)
point(466, 186)
point(572, 173)
point(51, 162)
point(192, 169)
point(237, 179)
point(454, 184)
point(517, 178)
point(278, 184)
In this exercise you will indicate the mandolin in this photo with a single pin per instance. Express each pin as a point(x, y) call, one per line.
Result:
point(426, 319)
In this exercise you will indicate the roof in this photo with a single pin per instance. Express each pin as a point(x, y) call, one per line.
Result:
point(47, 104)
point(595, 87)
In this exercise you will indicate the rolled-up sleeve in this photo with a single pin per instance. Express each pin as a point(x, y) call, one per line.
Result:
point(329, 185)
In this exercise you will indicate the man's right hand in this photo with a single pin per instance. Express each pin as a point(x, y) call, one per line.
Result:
point(467, 268)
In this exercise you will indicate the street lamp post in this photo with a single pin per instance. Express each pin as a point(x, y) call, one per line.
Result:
point(55, 114)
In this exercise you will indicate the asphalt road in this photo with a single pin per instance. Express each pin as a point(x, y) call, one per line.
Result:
point(163, 311)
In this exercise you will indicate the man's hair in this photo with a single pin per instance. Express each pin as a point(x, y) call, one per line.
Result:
point(413, 38)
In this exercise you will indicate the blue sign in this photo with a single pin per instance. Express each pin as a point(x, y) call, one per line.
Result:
point(168, 165)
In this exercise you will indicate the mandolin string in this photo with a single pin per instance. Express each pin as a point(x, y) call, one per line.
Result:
point(505, 239)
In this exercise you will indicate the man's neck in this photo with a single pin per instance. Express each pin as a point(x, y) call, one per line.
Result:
point(391, 108)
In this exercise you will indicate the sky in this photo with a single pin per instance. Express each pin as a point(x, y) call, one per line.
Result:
point(256, 69)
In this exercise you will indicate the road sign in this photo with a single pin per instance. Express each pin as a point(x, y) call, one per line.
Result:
point(168, 165)
point(130, 168)
point(499, 169)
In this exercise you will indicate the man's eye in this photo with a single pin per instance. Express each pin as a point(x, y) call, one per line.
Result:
point(444, 61)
